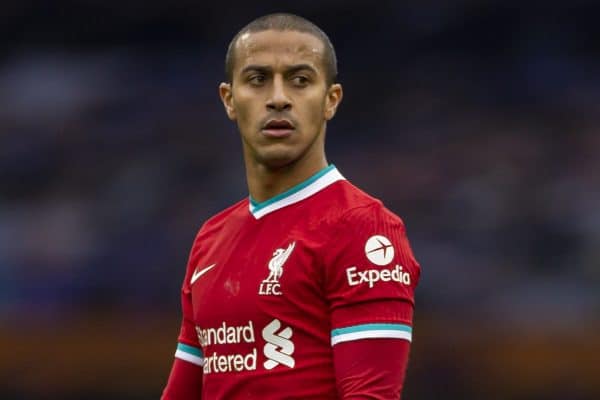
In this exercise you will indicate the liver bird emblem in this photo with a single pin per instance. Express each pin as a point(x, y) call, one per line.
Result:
point(280, 256)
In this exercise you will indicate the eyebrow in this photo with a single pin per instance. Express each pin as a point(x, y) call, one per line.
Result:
point(289, 70)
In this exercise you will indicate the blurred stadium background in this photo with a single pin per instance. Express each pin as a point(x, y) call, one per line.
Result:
point(476, 121)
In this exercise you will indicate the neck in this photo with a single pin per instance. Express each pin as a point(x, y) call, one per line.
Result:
point(265, 182)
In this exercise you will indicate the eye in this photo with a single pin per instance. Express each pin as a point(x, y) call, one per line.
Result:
point(257, 79)
point(300, 80)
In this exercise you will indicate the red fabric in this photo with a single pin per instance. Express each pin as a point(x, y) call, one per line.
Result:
point(267, 336)
point(372, 369)
point(346, 258)
point(390, 311)
point(185, 382)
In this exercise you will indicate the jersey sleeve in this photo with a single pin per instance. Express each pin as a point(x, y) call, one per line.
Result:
point(370, 276)
point(185, 382)
point(362, 373)
point(185, 378)
point(188, 346)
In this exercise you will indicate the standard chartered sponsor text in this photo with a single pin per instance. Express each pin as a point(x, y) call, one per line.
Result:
point(230, 362)
point(224, 334)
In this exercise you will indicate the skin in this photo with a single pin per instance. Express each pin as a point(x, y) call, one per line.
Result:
point(280, 75)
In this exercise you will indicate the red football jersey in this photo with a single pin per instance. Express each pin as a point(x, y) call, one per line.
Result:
point(267, 285)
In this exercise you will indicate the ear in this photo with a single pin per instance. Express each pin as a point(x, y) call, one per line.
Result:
point(334, 98)
point(227, 99)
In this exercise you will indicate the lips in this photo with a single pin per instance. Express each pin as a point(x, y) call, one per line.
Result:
point(278, 128)
point(278, 124)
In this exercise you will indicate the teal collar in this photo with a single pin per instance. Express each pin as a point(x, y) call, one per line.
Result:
point(301, 191)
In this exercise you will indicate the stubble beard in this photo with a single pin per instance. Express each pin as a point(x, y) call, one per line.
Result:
point(277, 156)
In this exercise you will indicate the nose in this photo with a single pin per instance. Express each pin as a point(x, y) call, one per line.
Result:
point(278, 99)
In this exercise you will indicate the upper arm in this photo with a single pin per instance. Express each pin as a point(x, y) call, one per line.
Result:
point(370, 279)
point(371, 369)
point(369, 260)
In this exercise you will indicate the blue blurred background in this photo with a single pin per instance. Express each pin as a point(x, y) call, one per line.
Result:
point(477, 122)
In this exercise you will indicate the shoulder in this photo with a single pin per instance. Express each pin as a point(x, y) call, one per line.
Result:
point(352, 205)
point(229, 215)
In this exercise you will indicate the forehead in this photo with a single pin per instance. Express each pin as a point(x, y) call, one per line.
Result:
point(274, 48)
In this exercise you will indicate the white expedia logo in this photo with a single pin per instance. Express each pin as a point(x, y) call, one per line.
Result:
point(279, 348)
point(271, 284)
point(379, 251)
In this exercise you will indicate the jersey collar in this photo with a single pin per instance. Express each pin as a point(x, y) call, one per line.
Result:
point(301, 191)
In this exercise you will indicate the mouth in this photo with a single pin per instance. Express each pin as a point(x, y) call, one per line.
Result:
point(278, 128)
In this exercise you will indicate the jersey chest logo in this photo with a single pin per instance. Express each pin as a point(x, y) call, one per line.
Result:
point(271, 285)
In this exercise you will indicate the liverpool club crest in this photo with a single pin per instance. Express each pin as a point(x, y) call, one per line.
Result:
point(270, 285)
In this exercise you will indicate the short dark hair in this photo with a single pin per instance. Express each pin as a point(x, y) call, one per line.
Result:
point(285, 22)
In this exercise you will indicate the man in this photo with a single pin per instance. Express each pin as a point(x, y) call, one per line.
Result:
point(305, 290)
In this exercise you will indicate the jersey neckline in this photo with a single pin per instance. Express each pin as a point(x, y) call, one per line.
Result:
point(301, 191)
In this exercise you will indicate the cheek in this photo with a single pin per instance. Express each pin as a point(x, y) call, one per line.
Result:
point(245, 109)
point(315, 109)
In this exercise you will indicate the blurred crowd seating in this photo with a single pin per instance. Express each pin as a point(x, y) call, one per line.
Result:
point(112, 156)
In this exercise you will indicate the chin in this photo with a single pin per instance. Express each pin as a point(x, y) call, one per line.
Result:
point(277, 160)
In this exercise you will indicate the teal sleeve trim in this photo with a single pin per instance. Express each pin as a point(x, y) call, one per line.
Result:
point(190, 349)
point(371, 327)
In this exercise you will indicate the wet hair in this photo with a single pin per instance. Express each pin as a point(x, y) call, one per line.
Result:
point(285, 22)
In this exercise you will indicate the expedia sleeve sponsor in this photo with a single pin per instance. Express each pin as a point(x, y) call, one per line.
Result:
point(372, 276)
point(369, 260)
point(380, 252)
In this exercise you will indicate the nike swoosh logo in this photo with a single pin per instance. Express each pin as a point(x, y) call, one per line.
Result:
point(197, 274)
